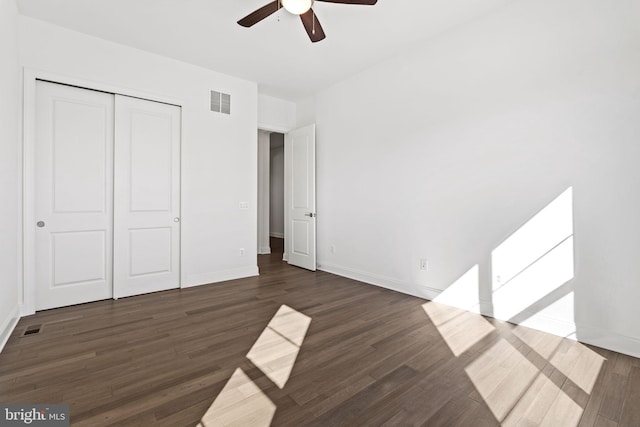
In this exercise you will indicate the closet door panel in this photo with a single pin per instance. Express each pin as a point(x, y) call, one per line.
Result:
point(73, 206)
point(147, 197)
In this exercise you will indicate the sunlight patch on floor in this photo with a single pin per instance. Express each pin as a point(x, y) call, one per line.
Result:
point(534, 406)
point(543, 381)
point(276, 349)
point(581, 366)
point(240, 403)
point(543, 344)
point(460, 329)
point(563, 412)
point(501, 375)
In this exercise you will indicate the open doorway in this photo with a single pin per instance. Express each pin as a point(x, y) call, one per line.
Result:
point(276, 192)
point(293, 154)
point(270, 193)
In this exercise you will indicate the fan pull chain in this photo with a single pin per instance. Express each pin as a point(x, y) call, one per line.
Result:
point(313, 26)
point(279, 6)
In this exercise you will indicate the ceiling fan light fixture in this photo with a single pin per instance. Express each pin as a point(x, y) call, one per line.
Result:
point(297, 7)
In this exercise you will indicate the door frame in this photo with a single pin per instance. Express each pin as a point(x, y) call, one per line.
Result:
point(287, 160)
point(27, 248)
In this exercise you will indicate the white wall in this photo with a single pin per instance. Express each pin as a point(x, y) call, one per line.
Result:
point(219, 152)
point(306, 112)
point(276, 181)
point(275, 114)
point(445, 151)
point(9, 169)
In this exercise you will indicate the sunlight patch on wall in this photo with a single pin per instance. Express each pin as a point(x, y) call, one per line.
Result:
point(241, 402)
point(535, 283)
point(464, 292)
point(460, 329)
point(276, 349)
point(552, 317)
point(531, 266)
point(543, 232)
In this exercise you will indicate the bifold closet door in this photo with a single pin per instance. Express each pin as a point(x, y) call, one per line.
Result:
point(106, 196)
point(73, 195)
point(147, 197)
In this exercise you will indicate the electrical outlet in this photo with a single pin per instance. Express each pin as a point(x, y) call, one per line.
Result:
point(424, 265)
point(241, 251)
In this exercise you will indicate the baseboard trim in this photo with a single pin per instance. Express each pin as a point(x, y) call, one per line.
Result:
point(8, 325)
point(277, 235)
point(550, 325)
point(219, 276)
point(379, 280)
point(265, 250)
point(603, 338)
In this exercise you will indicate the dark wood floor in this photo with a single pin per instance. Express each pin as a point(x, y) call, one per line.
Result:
point(369, 357)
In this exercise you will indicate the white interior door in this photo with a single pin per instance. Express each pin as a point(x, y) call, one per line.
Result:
point(147, 197)
point(73, 195)
point(300, 197)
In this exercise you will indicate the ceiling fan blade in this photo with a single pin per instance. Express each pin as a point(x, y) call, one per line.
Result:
point(365, 2)
point(312, 25)
point(258, 15)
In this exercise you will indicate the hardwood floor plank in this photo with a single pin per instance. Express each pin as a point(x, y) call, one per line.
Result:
point(348, 410)
point(590, 414)
point(613, 400)
point(630, 415)
point(604, 422)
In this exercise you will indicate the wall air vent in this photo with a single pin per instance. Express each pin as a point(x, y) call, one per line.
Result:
point(220, 102)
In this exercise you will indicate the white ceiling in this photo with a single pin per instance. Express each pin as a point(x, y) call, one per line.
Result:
point(276, 52)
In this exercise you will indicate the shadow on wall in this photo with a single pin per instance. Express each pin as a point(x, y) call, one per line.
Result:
point(531, 275)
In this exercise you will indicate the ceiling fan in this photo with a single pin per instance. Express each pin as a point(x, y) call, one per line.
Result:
point(301, 8)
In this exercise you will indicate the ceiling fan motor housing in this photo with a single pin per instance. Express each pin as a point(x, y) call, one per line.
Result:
point(297, 7)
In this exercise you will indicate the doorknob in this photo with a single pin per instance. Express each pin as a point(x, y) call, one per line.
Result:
point(310, 214)
point(176, 219)
point(40, 224)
